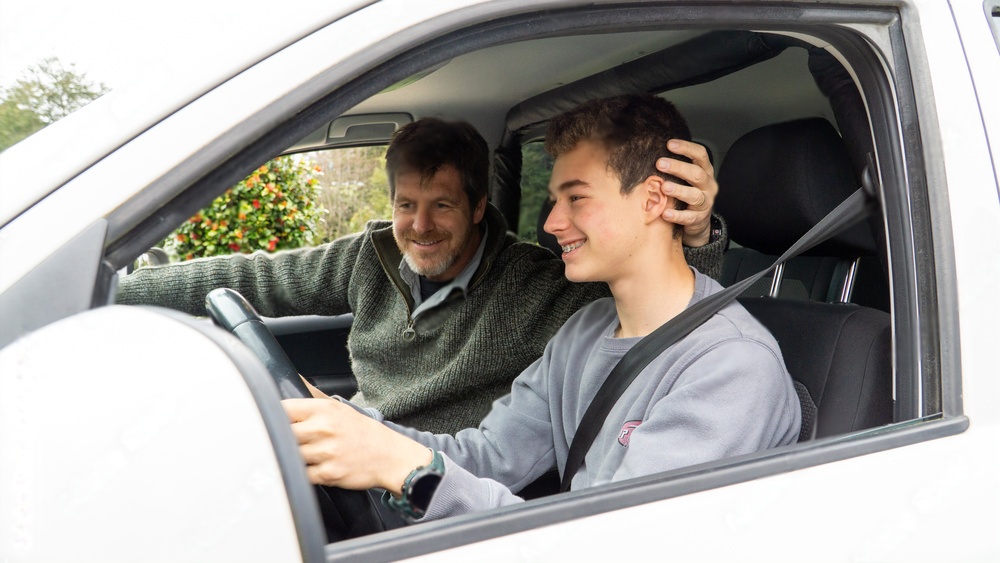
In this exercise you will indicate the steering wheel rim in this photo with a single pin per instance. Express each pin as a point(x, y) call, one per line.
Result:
point(346, 514)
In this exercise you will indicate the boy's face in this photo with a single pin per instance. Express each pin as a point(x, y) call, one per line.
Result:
point(594, 223)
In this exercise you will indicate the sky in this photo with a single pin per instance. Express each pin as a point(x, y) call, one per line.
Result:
point(109, 39)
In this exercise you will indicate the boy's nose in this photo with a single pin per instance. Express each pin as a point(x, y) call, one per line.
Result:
point(556, 221)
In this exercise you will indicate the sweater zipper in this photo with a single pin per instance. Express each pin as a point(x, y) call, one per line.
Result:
point(409, 334)
point(476, 281)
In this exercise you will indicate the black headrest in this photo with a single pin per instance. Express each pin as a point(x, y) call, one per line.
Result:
point(778, 181)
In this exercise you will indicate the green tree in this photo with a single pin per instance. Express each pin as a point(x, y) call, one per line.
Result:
point(16, 123)
point(274, 208)
point(48, 92)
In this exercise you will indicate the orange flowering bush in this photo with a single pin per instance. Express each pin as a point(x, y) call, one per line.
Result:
point(274, 208)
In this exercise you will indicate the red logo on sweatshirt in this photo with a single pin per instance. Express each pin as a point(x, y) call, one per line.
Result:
point(626, 432)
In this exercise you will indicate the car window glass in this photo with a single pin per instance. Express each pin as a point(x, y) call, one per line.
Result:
point(289, 202)
point(536, 166)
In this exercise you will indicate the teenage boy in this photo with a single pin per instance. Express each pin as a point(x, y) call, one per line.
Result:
point(448, 306)
point(721, 391)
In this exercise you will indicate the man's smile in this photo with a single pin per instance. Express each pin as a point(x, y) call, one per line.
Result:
point(426, 242)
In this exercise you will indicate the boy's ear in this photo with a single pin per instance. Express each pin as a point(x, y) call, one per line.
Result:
point(654, 201)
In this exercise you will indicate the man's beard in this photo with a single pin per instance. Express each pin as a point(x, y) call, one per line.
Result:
point(441, 265)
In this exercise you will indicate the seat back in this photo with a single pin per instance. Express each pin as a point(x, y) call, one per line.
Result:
point(792, 174)
point(776, 183)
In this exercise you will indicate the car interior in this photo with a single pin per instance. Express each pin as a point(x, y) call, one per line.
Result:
point(791, 134)
point(781, 162)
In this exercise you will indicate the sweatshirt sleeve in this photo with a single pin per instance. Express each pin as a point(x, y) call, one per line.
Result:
point(734, 399)
point(293, 282)
point(513, 445)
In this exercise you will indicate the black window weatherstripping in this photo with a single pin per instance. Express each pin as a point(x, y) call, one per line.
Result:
point(926, 410)
point(992, 9)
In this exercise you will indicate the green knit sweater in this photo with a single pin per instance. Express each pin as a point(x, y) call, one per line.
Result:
point(465, 354)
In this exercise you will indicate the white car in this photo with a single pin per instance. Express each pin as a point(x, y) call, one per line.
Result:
point(138, 434)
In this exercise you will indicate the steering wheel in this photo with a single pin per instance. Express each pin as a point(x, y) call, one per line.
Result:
point(346, 514)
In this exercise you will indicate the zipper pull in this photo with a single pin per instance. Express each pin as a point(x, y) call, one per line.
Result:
point(409, 334)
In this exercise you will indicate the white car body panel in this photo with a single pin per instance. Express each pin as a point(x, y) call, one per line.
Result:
point(136, 438)
point(863, 509)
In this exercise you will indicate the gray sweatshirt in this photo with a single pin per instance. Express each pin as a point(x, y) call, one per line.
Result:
point(721, 391)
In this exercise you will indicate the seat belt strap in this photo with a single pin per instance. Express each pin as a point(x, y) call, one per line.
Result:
point(852, 210)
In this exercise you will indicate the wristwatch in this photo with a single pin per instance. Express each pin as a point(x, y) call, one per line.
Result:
point(418, 489)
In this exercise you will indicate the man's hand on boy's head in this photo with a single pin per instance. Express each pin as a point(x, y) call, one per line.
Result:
point(700, 195)
point(344, 448)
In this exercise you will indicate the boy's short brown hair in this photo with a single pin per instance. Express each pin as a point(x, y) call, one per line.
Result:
point(634, 130)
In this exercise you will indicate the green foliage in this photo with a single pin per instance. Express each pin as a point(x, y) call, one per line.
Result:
point(274, 208)
point(48, 92)
point(16, 124)
point(536, 167)
point(375, 204)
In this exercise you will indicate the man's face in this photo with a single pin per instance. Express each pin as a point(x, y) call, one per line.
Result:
point(435, 227)
point(596, 226)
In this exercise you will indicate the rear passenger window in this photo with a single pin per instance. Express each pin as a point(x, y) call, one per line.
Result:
point(536, 166)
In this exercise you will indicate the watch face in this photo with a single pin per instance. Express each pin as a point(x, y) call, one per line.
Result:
point(422, 488)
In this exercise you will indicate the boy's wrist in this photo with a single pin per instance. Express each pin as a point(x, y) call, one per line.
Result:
point(410, 457)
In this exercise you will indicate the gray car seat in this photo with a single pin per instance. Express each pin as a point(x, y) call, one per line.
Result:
point(791, 174)
point(777, 182)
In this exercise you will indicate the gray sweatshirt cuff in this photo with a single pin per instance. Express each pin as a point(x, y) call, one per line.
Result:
point(461, 492)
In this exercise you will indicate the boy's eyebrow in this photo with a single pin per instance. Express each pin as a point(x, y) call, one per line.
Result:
point(569, 184)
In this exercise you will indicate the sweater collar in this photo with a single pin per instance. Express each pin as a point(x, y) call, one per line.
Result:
point(388, 253)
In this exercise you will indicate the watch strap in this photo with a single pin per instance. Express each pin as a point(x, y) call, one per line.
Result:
point(404, 503)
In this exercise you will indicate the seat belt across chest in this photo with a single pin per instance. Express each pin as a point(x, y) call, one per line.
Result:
point(852, 210)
